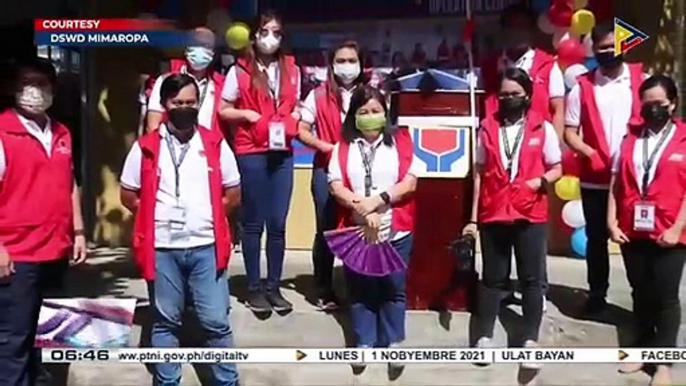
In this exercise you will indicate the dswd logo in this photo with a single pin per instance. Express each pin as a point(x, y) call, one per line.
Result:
point(444, 152)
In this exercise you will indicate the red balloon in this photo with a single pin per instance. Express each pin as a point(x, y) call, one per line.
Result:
point(570, 163)
point(570, 52)
point(560, 13)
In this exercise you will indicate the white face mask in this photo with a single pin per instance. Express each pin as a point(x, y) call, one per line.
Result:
point(268, 44)
point(34, 100)
point(347, 72)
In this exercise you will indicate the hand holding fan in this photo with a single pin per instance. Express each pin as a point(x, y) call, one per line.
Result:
point(378, 259)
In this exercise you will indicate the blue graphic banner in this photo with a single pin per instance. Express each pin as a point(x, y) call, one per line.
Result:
point(164, 39)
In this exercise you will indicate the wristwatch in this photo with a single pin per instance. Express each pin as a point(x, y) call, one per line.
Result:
point(544, 183)
point(79, 232)
point(385, 197)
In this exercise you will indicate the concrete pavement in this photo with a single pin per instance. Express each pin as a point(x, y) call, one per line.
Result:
point(110, 273)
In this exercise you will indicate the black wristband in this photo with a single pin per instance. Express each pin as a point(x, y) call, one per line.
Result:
point(544, 183)
point(385, 197)
point(79, 232)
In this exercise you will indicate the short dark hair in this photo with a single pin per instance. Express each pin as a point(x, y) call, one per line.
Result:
point(360, 97)
point(602, 30)
point(39, 65)
point(515, 10)
point(663, 81)
point(520, 76)
point(172, 84)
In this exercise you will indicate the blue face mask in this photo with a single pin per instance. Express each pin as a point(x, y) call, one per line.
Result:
point(199, 57)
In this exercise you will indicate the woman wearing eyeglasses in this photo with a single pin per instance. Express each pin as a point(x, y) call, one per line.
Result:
point(518, 156)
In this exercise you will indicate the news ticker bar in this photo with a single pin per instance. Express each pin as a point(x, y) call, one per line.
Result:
point(266, 355)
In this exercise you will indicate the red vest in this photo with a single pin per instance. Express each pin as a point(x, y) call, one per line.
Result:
point(501, 200)
point(540, 74)
point(328, 122)
point(254, 137)
point(402, 215)
point(218, 79)
point(36, 213)
point(144, 222)
point(666, 191)
point(592, 128)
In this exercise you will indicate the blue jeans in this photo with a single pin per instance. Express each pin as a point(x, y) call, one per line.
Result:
point(267, 186)
point(378, 304)
point(21, 296)
point(194, 269)
point(325, 212)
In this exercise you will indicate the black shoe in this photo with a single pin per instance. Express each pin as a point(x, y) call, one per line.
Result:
point(595, 305)
point(328, 303)
point(278, 302)
point(257, 302)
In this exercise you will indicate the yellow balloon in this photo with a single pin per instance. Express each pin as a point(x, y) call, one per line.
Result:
point(583, 22)
point(237, 36)
point(568, 188)
point(580, 4)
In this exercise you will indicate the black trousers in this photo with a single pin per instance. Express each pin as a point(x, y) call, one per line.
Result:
point(21, 296)
point(654, 274)
point(529, 244)
point(594, 202)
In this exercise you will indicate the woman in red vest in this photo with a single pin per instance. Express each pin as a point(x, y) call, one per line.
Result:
point(325, 109)
point(373, 175)
point(647, 216)
point(518, 156)
point(261, 94)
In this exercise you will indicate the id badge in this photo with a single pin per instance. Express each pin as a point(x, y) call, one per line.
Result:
point(277, 136)
point(644, 217)
point(177, 218)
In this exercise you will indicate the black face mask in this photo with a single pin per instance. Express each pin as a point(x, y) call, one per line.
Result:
point(183, 118)
point(512, 108)
point(608, 59)
point(655, 114)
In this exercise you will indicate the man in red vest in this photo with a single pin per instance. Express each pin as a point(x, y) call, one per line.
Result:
point(519, 26)
point(599, 108)
point(198, 59)
point(40, 218)
point(181, 181)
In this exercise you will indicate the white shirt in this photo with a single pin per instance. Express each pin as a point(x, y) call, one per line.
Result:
point(552, 154)
point(384, 175)
point(194, 189)
point(44, 136)
point(206, 94)
point(652, 139)
point(614, 100)
point(231, 92)
point(556, 82)
point(308, 108)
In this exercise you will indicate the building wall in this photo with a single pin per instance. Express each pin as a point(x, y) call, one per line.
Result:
point(114, 118)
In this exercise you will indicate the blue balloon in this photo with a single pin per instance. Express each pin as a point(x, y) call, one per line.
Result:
point(591, 63)
point(579, 241)
point(540, 6)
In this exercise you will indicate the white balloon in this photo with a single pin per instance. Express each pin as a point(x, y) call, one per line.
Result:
point(573, 214)
point(588, 45)
point(545, 25)
point(572, 73)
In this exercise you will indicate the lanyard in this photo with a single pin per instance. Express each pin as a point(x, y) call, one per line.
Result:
point(368, 161)
point(648, 160)
point(177, 163)
point(509, 152)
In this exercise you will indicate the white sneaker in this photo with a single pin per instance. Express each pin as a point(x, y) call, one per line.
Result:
point(530, 365)
point(485, 343)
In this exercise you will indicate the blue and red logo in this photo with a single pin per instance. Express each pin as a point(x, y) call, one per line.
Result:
point(440, 149)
